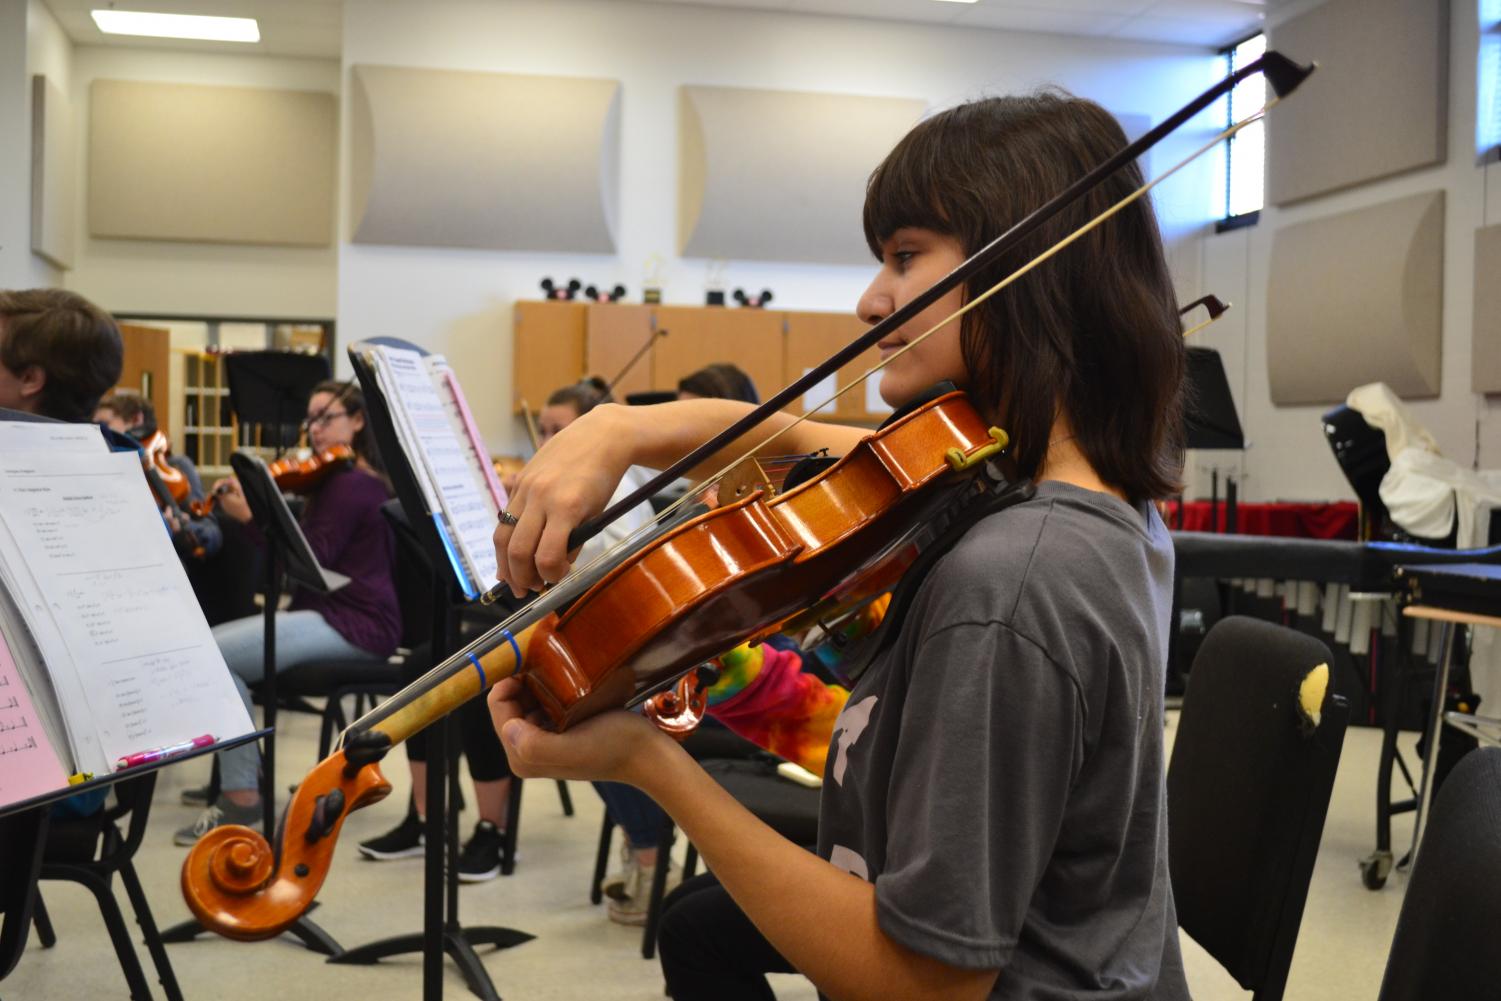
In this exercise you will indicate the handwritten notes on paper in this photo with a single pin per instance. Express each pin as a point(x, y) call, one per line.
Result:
point(132, 660)
point(29, 765)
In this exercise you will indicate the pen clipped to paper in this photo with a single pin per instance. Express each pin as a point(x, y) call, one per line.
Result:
point(159, 753)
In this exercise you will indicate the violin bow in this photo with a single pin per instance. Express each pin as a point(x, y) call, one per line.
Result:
point(641, 353)
point(1282, 74)
point(1215, 306)
point(531, 425)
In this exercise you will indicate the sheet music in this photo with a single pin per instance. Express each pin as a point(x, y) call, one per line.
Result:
point(463, 420)
point(48, 436)
point(139, 667)
point(462, 497)
point(29, 765)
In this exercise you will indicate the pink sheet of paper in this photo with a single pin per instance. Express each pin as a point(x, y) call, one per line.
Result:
point(28, 764)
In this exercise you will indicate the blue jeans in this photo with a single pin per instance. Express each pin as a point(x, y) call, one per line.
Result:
point(301, 637)
point(637, 815)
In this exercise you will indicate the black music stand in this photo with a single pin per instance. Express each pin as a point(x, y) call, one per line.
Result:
point(271, 389)
point(287, 551)
point(442, 932)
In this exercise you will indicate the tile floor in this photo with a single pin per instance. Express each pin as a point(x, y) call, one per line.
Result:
point(578, 953)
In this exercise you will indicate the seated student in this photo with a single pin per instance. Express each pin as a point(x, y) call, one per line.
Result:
point(348, 534)
point(479, 858)
point(993, 820)
point(719, 381)
point(59, 353)
point(132, 414)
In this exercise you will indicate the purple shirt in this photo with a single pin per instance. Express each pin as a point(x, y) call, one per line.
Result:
point(347, 532)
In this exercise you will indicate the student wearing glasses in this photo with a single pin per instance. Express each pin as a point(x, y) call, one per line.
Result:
point(348, 534)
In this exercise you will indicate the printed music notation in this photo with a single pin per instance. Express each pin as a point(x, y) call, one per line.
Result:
point(15, 747)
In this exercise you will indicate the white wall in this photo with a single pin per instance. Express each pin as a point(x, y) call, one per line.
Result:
point(1288, 457)
point(459, 302)
point(30, 42)
point(159, 277)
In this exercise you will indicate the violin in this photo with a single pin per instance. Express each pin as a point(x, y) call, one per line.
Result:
point(295, 476)
point(621, 630)
point(171, 488)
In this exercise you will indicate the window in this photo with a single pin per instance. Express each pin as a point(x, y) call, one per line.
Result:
point(1245, 152)
point(1488, 96)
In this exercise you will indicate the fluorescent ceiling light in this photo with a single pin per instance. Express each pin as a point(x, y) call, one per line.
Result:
point(959, 1)
point(217, 29)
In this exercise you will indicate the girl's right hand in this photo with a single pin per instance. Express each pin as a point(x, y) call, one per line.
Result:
point(232, 500)
point(568, 481)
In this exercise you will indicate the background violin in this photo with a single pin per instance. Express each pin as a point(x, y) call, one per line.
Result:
point(171, 488)
point(295, 476)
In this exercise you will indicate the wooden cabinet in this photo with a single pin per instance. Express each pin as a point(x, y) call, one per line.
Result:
point(614, 335)
point(812, 337)
point(549, 350)
point(702, 335)
point(558, 343)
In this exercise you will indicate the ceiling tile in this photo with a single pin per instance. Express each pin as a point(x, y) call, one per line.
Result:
point(1056, 20)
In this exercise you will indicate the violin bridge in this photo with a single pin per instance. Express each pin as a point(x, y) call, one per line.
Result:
point(744, 479)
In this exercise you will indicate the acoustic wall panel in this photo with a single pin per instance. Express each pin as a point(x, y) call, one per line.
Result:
point(780, 176)
point(51, 173)
point(172, 161)
point(1377, 105)
point(488, 160)
point(1356, 298)
point(1485, 344)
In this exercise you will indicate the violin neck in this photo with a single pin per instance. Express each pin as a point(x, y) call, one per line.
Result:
point(432, 697)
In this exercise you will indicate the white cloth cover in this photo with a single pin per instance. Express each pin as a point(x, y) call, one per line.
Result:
point(1382, 410)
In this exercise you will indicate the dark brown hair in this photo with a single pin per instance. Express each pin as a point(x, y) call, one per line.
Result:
point(583, 396)
point(720, 381)
point(132, 408)
point(348, 394)
point(1094, 331)
point(74, 342)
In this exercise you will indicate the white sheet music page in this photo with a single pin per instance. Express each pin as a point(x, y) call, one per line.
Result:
point(29, 765)
point(479, 530)
point(463, 498)
point(110, 585)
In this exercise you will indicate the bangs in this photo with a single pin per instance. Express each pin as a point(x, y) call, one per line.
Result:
point(905, 191)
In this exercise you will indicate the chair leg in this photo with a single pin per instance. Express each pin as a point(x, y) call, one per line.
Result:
point(43, 922)
point(658, 890)
point(601, 860)
point(565, 798)
point(690, 862)
point(153, 938)
point(513, 825)
point(119, 934)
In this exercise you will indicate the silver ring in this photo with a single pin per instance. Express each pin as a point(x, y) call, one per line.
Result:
point(508, 519)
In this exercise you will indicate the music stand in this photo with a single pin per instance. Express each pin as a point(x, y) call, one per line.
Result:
point(1210, 422)
point(271, 388)
point(287, 551)
point(442, 932)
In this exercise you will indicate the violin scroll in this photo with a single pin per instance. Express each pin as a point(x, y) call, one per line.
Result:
point(237, 884)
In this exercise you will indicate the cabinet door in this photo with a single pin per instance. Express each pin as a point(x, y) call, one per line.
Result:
point(616, 334)
point(812, 337)
point(702, 335)
point(549, 350)
point(146, 367)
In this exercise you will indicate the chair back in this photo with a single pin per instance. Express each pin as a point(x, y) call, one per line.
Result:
point(1360, 451)
point(1247, 790)
point(1446, 943)
point(413, 578)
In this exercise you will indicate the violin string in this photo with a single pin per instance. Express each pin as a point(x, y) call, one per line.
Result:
point(498, 634)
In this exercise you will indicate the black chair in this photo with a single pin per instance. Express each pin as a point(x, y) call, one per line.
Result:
point(367, 681)
point(1361, 453)
point(1445, 943)
point(1247, 790)
point(750, 775)
point(90, 851)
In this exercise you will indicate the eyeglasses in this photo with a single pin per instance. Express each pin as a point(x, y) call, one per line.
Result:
point(324, 419)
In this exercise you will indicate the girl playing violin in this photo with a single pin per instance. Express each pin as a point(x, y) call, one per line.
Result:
point(360, 621)
point(993, 821)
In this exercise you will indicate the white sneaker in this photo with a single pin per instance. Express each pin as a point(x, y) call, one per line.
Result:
point(631, 909)
point(614, 887)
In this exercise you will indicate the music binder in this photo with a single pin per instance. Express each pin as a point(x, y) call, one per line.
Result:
point(104, 651)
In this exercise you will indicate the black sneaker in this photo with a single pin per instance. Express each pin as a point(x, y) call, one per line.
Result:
point(402, 841)
point(479, 859)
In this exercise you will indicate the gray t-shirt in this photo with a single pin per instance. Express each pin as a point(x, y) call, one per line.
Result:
point(998, 771)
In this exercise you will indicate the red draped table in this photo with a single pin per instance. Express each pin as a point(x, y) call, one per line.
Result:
point(1332, 520)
